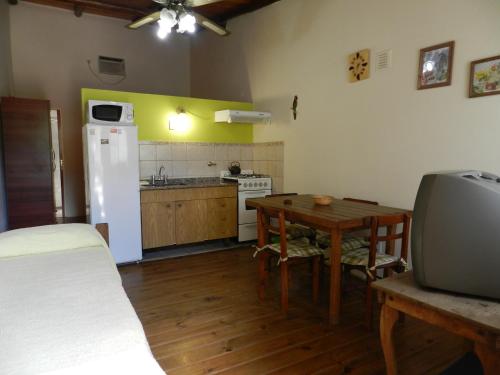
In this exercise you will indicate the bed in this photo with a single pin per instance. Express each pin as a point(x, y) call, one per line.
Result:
point(63, 309)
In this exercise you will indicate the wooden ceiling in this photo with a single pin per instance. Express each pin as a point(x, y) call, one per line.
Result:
point(219, 12)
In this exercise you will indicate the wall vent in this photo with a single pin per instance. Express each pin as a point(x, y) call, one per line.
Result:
point(383, 59)
point(111, 66)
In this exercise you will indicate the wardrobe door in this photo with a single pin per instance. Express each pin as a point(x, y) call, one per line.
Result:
point(28, 162)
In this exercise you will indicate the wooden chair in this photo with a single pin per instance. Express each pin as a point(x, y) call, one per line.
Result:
point(294, 231)
point(355, 239)
point(369, 260)
point(289, 251)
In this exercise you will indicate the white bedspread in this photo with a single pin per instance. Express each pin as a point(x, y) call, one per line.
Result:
point(67, 313)
point(48, 238)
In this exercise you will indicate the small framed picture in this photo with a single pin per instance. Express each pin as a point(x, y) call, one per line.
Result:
point(485, 77)
point(435, 66)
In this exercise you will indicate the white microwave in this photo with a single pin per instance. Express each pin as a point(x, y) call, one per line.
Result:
point(109, 113)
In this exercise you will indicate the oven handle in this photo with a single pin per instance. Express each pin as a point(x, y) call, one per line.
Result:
point(254, 194)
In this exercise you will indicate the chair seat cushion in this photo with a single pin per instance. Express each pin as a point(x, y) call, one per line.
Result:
point(359, 257)
point(348, 242)
point(298, 248)
point(293, 232)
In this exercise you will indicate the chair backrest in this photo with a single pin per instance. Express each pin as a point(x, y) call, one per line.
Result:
point(389, 221)
point(361, 201)
point(263, 216)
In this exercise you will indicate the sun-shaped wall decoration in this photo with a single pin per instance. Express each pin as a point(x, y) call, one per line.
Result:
point(359, 65)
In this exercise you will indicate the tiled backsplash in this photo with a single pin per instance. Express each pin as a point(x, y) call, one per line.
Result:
point(192, 159)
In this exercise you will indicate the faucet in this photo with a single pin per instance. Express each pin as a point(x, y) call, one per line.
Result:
point(160, 178)
point(159, 171)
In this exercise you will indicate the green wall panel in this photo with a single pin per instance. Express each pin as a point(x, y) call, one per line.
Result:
point(152, 113)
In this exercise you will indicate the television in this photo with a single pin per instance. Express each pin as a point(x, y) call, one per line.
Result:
point(455, 241)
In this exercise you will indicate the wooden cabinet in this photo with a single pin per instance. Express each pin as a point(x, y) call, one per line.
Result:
point(181, 216)
point(158, 224)
point(28, 162)
point(222, 218)
point(191, 221)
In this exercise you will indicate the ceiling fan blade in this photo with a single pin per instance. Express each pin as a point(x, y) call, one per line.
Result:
point(199, 3)
point(210, 25)
point(144, 20)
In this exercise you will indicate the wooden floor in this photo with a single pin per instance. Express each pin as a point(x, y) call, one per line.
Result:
point(202, 316)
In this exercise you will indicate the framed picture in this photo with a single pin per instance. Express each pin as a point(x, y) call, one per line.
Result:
point(359, 65)
point(485, 77)
point(435, 66)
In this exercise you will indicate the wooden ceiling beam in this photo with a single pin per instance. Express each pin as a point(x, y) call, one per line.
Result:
point(243, 9)
point(219, 12)
point(95, 7)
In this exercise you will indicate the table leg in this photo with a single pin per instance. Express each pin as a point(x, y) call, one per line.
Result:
point(335, 276)
point(262, 235)
point(388, 319)
point(263, 274)
point(489, 357)
point(262, 240)
point(315, 278)
point(390, 248)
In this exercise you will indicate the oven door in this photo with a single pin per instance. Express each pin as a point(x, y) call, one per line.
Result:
point(249, 215)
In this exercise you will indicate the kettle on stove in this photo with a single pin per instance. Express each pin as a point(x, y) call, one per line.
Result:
point(234, 168)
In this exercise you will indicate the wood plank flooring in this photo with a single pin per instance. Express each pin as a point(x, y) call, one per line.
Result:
point(202, 316)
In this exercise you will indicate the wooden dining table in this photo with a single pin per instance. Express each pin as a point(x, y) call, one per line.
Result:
point(338, 217)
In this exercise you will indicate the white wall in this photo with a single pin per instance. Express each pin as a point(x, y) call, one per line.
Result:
point(372, 139)
point(5, 78)
point(50, 49)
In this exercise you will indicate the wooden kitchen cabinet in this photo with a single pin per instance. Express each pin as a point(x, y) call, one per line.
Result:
point(191, 221)
point(222, 218)
point(158, 224)
point(188, 215)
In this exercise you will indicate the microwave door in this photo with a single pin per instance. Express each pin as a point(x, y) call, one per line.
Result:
point(107, 112)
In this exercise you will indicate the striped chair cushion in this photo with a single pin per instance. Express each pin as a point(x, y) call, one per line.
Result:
point(298, 248)
point(359, 257)
point(348, 242)
point(293, 232)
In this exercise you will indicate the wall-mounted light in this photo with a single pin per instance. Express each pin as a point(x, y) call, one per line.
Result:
point(179, 121)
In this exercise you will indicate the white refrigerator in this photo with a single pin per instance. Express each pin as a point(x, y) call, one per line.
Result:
point(111, 159)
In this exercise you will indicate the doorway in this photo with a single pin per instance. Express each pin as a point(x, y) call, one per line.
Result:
point(57, 163)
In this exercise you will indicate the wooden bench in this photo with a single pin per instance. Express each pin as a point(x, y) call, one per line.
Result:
point(473, 318)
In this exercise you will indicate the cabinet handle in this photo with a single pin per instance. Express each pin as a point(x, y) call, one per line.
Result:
point(179, 205)
point(167, 205)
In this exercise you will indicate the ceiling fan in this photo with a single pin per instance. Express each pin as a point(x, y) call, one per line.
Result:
point(179, 14)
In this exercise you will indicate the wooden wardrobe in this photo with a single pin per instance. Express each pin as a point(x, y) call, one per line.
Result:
point(28, 164)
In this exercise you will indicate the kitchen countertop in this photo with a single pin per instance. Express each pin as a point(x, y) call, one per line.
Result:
point(189, 183)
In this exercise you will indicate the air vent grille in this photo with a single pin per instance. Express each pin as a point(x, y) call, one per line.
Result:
point(111, 66)
point(383, 59)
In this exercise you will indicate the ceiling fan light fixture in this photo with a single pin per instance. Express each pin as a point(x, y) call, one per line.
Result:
point(186, 23)
point(163, 30)
point(168, 19)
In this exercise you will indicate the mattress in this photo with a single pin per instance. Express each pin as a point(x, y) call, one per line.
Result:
point(66, 312)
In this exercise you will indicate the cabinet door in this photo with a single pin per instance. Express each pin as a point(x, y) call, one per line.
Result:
point(158, 224)
point(191, 221)
point(222, 218)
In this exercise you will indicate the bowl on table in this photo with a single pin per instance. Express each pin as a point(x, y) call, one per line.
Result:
point(322, 200)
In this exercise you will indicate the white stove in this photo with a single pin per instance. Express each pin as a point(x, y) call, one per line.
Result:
point(249, 186)
point(251, 181)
